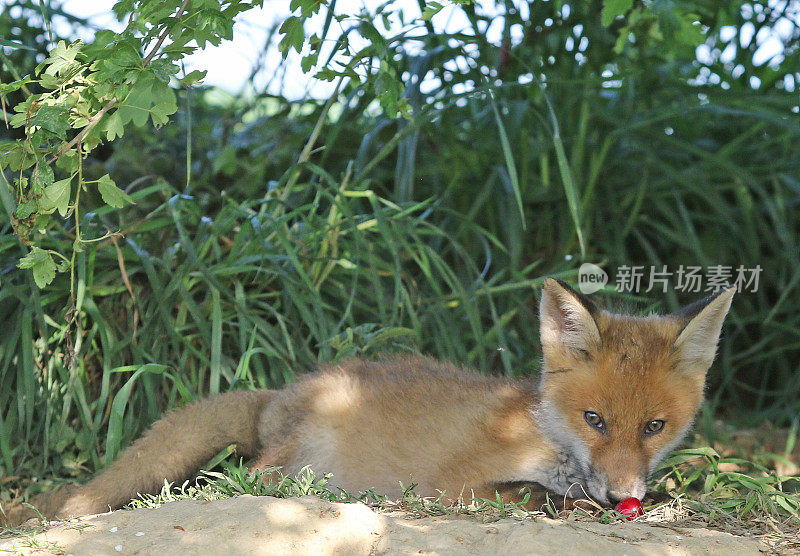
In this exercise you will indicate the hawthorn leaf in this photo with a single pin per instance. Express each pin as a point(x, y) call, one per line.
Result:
point(56, 197)
point(62, 57)
point(54, 119)
point(293, 35)
point(111, 194)
point(42, 177)
point(42, 265)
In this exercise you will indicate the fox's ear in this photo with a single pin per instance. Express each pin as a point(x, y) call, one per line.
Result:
point(566, 320)
point(696, 345)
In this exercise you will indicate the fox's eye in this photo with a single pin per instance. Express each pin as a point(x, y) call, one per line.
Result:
point(594, 420)
point(654, 427)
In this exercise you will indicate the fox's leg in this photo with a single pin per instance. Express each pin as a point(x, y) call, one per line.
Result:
point(174, 448)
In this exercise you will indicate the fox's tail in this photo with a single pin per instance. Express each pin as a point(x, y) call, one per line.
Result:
point(173, 449)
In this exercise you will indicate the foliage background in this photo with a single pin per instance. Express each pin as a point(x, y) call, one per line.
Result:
point(253, 251)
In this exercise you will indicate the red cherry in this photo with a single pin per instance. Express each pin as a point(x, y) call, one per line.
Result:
point(630, 508)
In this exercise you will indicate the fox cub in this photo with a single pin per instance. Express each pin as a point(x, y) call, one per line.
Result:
point(616, 394)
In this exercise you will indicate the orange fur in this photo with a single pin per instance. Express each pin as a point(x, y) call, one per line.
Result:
point(413, 419)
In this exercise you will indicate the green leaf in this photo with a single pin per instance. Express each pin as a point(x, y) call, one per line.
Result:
point(309, 61)
point(56, 197)
point(24, 210)
point(126, 56)
point(164, 103)
point(113, 126)
point(149, 98)
point(54, 119)
point(193, 77)
point(326, 74)
point(111, 194)
point(6, 88)
point(388, 90)
point(369, 32)
point(42, 177)
point(51, 81)
point(293, 35)
point(15, 45)
point(431, 9)
point(68, 161)
point(136, 106)
point(307, 7)
point(164, 69)
point(42, 265)
point(62, 57)
point(15, 156)
point(612, 9)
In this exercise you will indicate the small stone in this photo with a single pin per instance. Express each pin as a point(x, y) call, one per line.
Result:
point(140, 534)
point(112, 530)
point(118, 548)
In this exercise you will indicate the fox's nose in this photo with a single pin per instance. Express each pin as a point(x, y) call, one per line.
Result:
point(616, 496)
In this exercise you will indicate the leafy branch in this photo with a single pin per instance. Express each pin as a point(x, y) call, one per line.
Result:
point(110, 104)
point(98, 89)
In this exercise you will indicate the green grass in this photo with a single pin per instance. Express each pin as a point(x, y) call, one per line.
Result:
point(753, 501)
point(250, 297)
point(209, 292)
point(696, 491)
point(751, 493)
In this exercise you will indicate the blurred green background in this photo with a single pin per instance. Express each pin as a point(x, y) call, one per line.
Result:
point(574, 139)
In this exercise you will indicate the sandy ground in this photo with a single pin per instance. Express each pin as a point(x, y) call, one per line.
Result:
point(308, 525)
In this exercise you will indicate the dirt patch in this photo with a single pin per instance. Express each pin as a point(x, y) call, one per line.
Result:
point(308, 525)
